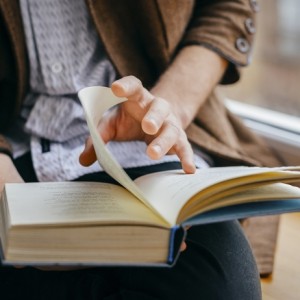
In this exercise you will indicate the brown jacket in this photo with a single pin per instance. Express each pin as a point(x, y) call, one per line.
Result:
point(141, 37)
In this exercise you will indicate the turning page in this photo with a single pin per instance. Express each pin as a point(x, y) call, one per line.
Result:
point(96, 100)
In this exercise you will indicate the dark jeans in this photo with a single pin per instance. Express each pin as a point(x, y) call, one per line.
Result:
point(217, 264)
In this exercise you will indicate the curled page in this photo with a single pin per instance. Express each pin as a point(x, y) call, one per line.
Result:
point(96, 101)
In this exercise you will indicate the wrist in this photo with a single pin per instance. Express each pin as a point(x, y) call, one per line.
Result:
point(189, 80)
point(6, 152)
point(8, 171)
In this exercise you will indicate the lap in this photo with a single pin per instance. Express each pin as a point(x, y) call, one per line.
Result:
point(218, 264)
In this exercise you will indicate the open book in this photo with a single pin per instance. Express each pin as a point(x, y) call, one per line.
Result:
point(138, 222)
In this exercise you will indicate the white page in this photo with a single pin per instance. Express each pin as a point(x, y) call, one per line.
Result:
point(170, 193)
point(96, 101)
point(46, 203)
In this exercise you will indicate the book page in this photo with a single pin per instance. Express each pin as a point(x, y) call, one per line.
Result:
point(70, 203)
point(166, 192)
point(254, 193)
point(169, 191)
point(269, 192)
point(96, 101)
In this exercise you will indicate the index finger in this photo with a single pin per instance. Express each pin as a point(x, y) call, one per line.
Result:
point(132, 88)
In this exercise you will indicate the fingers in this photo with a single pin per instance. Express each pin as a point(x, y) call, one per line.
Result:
point(106, 129)
point(161, 145)
point(161, 127)
point(155, 116)
point(150, 111)
point(185, 153)
point(183, 246)
point(127, 86)
point(172, 139)
point(132, 88)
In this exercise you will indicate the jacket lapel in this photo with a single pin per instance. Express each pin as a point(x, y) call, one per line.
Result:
point(12, 17)
point(110, 19)
point(174, 15)
point(120, 25)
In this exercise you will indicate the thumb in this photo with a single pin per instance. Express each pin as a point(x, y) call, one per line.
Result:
point(107, 130)
point(88, 155)
point(183, 247)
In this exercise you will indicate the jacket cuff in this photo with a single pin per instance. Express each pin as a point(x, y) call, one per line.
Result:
point(228, 28)
point(232, 73)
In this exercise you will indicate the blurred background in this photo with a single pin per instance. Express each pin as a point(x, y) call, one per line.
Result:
point(273, 78)
point(272, 81)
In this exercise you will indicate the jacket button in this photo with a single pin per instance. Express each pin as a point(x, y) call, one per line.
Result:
point(57, 68)
point(249, 24)
point(242, 45)
point(254, 5)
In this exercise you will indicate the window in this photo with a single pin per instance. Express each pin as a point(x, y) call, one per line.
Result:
point(272, 80)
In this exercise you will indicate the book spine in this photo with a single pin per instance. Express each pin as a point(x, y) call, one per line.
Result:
point(177, 236)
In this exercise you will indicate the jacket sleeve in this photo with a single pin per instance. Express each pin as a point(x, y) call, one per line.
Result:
point(226, 27)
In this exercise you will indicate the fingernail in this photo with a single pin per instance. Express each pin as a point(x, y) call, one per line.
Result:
point(156, 149)
point(152, 121)
point(151, 126)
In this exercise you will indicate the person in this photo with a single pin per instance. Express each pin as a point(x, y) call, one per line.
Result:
point(165, 57)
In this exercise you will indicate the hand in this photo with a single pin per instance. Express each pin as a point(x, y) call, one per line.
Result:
point(143, 117)
point(8, 171)
point(9, 174)
point(183, 245)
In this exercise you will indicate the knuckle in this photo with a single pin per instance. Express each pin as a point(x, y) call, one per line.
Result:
point(135, 80)
point(176, 129)
point(164, 103)
point(184, 145)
